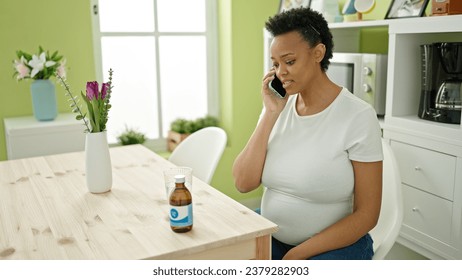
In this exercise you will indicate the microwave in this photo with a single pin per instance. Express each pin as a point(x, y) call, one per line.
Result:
point(363, 74)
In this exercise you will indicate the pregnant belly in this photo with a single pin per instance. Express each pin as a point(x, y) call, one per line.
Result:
point(299, 219)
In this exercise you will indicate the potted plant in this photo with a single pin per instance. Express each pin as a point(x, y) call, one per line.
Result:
point(40, 68)
point(131, 136)
point(182, 128)
point(98, 167)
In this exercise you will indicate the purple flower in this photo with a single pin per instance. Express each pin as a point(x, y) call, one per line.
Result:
point(97, 104)
point(104, 90)
point(92, 90)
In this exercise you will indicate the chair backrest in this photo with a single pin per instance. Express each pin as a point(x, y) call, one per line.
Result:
point(202, 150)
point(388, 226)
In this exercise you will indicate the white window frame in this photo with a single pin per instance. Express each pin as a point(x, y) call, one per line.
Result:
point(211, 35)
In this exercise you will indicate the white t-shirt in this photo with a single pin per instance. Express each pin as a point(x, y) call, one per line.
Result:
point(308, 175)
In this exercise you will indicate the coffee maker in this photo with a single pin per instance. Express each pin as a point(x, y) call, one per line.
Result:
point(441, 82)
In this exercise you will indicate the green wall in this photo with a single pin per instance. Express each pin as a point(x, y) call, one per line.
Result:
point(241, 24)
point(55, 25)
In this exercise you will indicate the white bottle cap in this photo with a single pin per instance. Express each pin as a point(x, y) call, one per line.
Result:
point(179, 178)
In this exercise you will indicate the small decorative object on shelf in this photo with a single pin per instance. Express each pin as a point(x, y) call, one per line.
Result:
point(182, 128)
point(364, 7)
point(406, 8)
point(328, 8)
point(98, 167)
point(40, 68)
point(350, 10)
point(446, 7)
point(292, 4)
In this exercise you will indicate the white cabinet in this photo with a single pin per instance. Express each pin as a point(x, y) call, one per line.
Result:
point(429, 154)
point(432, 211)
point(27, 137)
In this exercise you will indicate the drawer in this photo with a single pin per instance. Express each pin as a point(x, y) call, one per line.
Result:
point(429, 214)
point(427, 170)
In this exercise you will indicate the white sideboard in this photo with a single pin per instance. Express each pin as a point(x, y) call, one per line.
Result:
point(429, 154)
point(27, 137)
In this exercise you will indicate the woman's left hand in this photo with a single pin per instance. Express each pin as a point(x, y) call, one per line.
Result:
point(292, 254)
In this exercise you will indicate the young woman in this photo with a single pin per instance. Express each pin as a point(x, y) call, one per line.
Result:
point(317, 151)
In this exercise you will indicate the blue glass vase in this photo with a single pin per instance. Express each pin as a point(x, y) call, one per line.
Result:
point(44, 100)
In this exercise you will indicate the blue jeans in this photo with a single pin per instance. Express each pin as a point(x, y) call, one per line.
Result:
point(361, 250)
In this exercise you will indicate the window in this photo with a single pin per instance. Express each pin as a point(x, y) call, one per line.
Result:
point(164, 57)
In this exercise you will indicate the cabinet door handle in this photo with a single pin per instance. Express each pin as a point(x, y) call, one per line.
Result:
point(415, 209)
point(417, 168)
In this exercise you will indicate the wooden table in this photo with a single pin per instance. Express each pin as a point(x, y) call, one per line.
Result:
point(46, 212)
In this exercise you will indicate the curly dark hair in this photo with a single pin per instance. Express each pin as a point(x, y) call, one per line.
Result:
point(310, 24)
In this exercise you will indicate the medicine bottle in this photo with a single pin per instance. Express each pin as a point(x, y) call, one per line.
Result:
point(181, 214)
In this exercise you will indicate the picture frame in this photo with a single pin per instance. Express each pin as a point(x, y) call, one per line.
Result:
point(406, 8)
point(291, 4)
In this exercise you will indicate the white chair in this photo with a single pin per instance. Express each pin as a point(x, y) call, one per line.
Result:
point(387, 229)
point(201, 151)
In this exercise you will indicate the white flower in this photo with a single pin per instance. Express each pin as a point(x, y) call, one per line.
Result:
point(38, 63)
point(38, 66)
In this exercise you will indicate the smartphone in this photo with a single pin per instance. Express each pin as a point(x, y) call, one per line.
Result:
point(276, 86)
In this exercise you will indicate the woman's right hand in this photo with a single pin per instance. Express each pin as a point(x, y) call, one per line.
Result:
point(248, 165)
point(273, 104)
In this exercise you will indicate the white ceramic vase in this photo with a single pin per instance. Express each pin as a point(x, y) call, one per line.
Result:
point(98, 167)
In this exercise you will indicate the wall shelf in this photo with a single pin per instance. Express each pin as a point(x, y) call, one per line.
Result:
point(404, 78)
point(359, 24)
point(418, 138)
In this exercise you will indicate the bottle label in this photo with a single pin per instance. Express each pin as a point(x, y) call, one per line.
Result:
point(181, 216)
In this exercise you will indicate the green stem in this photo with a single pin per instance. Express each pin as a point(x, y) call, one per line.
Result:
point(74, 102)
